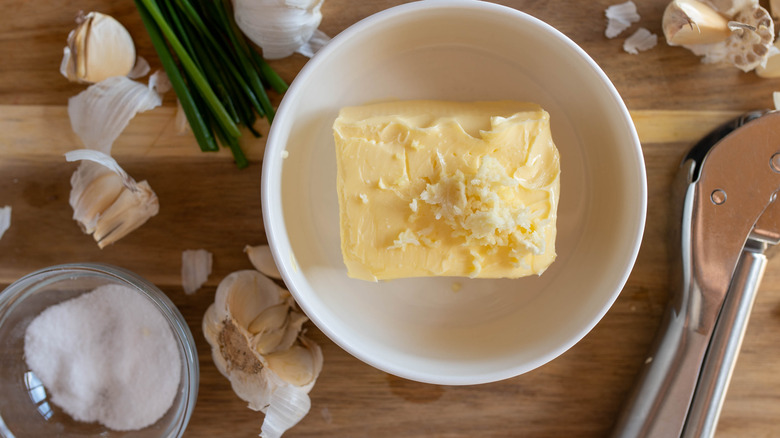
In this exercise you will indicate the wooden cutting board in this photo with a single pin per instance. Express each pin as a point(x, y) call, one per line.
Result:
point(207, 203)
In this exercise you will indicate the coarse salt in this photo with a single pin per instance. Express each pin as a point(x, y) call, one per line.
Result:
point(107, 356)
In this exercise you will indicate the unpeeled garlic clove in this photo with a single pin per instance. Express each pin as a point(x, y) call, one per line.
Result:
point(688, 22)
point(280, 27)
point(272, 318)
point(108, 206)
point(263, 260)
point(98, 48)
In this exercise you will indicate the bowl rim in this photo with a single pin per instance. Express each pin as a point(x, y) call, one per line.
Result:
point(271, 179)
point(182, 334)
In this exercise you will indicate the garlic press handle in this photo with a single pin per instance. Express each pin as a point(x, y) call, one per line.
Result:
point(659, 403)
point(725, 344)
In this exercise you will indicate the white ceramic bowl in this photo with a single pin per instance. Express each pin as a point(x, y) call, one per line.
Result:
point(488, 330)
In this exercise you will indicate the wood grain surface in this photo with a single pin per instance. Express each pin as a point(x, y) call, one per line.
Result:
point(207, 203)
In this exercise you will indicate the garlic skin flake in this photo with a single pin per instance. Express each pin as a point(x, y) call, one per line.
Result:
point(263, 260)
point(99, 114)
point(254, 329)
point(640, 41)
point(620, 17)
point(5, 219)
point(281, 27)
point(106, 201)
point(196, 267)
point(98, 48)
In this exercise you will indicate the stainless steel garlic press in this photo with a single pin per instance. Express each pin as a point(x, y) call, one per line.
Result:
point(728, 219)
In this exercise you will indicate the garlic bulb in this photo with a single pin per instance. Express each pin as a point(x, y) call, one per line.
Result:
point(281, 27)
point(739, 32)
point(262, 260)
point(101, 112)
point(98, 48)
point(254, 329)
point(107, 202)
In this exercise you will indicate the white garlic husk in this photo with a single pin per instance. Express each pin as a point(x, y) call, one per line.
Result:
point(107, 203)
point(101, 112)
point(5, 219)
point(196, 267)
point(256, 338)
point(739, 32)
point(281, 27)
point(98, 48)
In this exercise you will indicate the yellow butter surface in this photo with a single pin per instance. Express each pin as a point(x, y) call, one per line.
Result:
point(439, 188)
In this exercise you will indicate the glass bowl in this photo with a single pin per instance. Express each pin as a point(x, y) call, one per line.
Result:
point(25, 408)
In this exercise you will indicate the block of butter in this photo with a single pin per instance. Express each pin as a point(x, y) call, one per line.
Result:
point(440, 188)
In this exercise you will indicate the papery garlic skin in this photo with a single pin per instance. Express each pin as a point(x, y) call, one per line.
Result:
point(98, 48)
point(639, 41)
point(620, 17)
point(196, 267)
point(5, 219)
point(255, 333)
point(107, 202)
point(279, 27)
point(99, 114)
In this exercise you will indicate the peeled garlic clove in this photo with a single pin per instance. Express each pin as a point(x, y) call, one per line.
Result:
point(195, 269)
point(279, 27)
point(99, 48)
point(272, 318)
point(688, 22)
point(92, 192)
point(263, 260)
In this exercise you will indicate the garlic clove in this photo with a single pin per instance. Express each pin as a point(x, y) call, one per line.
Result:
point(688, 22)
point(263, 260)
point(272, 318)
point(108, 207)
point(243, 295)
point(94, 189)
point(132, 208)
point(99, 48)
point(279, 27)
point(291, 331)
point(294, 365)
point(269, 341)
